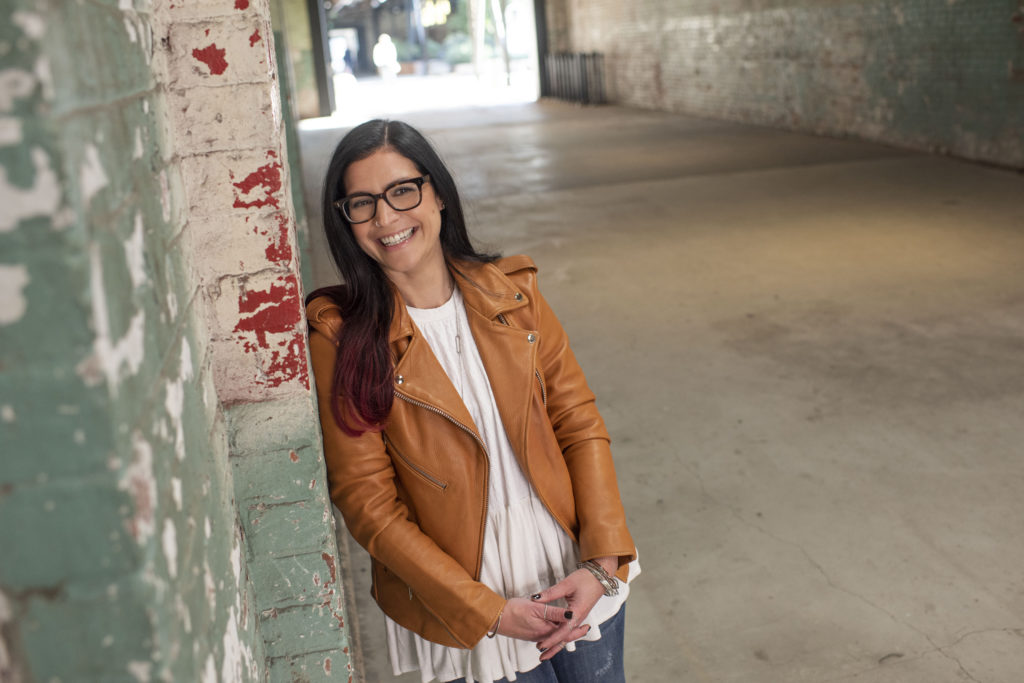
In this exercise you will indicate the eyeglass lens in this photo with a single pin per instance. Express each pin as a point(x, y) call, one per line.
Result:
point(362, 207)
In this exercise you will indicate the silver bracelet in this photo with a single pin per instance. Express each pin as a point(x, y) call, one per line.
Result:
point(491, 634)
point(607, 581)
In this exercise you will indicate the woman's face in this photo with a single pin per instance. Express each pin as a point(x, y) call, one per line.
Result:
point(407, 244)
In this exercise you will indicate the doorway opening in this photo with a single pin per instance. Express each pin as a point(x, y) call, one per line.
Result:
point(392, 57)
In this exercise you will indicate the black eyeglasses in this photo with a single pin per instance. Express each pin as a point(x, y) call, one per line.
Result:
point(401, 195)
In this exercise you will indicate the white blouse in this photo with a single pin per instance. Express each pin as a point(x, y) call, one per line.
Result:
point(525, 549)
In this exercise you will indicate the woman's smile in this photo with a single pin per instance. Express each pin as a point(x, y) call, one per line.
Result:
point(397, 239)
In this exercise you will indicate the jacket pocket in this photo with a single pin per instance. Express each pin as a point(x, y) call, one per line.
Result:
point(413, 467)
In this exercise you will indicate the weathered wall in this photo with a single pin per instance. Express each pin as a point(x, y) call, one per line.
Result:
point(163, 514)
point(122, 552)
point(942, 76)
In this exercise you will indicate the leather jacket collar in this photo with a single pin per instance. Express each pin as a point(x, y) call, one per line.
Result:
point(485, 289)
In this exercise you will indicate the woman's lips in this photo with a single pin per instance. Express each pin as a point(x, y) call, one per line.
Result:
point(397, 238)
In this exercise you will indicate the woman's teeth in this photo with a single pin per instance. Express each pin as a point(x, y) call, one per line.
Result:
point(397, 238)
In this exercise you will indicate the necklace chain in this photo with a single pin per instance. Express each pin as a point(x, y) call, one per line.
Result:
point(460, 312)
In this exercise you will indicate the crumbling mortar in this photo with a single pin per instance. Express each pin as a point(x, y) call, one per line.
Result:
point(225, 85)
point(261, 506)
point(275, 612)
point(316, 554)
point(243, 453)
point(306, 653)
point(244, 277)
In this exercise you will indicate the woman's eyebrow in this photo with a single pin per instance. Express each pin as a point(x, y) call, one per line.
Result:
point(386, 187)
point(399, 182)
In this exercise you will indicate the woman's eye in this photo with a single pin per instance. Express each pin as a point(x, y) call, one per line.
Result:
point(359, 203)
point(401, 189)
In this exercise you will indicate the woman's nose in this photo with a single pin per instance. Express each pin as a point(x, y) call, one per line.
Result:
point(385, 214)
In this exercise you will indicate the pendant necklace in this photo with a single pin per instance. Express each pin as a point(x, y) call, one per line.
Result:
point(460, 361)
point(457, 296)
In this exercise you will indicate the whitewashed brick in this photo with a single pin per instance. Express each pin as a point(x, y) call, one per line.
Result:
point(231, 117)
point(221, 52)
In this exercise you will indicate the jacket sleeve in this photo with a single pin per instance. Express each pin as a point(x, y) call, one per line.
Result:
point(584, 441)
point(362, 483)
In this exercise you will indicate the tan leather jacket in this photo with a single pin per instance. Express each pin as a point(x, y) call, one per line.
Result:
point(415, 496)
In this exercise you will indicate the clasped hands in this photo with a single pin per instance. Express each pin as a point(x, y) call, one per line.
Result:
point(552, 626)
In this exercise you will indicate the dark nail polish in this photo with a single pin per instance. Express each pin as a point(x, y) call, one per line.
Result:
point(568, 614)
point(542, 649)
point(588, 629)
point(535, 596)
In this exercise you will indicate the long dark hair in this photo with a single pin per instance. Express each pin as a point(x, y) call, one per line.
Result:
point(364, 373)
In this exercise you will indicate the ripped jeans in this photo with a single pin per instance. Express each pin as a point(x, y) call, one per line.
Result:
point(598, 661)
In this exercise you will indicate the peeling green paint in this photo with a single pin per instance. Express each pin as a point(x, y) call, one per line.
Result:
point(123, 557)
point(149, 532)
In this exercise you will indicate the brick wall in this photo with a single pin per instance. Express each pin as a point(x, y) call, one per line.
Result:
point(939, 76)
point(163, 514)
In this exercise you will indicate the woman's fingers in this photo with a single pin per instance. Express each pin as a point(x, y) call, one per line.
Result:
point(559, 645)
point(567, 631)
point(553, 613)
point(556, 592)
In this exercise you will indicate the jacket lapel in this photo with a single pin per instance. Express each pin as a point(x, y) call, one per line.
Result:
point(418, 374)
point(507, 354)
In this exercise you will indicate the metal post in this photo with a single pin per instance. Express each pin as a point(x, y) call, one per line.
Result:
point(321, 56)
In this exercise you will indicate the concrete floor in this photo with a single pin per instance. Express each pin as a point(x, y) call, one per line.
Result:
point(810, 355)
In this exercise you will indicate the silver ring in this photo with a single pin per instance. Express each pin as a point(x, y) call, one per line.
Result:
point(545, 612)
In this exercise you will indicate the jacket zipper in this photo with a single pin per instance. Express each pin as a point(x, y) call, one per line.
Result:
point(415, 468)
point(483, 516)
point(543, 389)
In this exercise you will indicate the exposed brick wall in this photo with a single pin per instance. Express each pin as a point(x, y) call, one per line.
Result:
point(163, 514)
point(942, 76)
point(241, 241)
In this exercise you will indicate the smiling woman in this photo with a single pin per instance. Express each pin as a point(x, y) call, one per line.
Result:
point(405, 242)
point(463, 446)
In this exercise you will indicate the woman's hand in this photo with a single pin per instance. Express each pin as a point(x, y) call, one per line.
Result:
point(530, 620)
point(581, 592)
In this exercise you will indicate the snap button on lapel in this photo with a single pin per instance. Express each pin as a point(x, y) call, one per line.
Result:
point(531, 337)
point(518, 296)
point(399, 380)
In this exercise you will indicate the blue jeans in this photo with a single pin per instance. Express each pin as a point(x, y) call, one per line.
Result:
point(598, 661)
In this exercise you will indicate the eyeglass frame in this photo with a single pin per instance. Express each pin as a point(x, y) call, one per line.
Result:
point(340, 203)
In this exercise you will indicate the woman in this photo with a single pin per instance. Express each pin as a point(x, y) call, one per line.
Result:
point(463, 446)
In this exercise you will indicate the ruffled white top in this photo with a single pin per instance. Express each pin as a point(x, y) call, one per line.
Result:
point(525, 549)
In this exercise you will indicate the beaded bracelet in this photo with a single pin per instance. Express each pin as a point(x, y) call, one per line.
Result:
point(607, 581)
